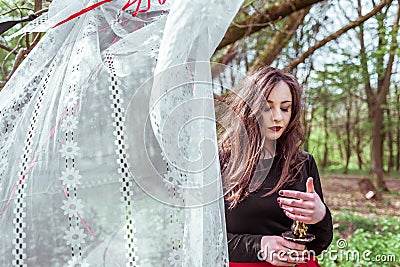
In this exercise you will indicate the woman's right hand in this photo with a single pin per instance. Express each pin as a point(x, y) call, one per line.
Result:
point(281, 252)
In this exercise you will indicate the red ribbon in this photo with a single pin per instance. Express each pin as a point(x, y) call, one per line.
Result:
point(83, 11)
point(125, 7)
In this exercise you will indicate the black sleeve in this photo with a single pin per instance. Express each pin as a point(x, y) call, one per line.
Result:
point(244, 247)
point(322, 230)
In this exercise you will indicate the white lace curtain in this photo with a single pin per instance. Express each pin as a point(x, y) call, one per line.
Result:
point(108, 143)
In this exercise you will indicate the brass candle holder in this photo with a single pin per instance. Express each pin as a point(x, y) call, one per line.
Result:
point(298, 233)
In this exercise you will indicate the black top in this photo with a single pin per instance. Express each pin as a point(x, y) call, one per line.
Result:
point(257, 216)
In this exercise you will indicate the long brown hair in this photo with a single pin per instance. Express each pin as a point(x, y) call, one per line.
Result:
point(240, 139)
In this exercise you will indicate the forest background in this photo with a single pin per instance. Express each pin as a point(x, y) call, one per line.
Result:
point(346, 55)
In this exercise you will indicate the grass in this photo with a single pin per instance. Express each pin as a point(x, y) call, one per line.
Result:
point(339, 170)
point(366, 232)
point(362, 242)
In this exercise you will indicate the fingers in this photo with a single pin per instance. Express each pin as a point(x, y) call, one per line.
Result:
point(292, 245)
point(310, 185)
point(289, 257)
point(281, 252)
point(306, 216)
point(300, 218)
point(300, 206)
point(297, 214)
point(299, 211)
point(296, 194)
point(294, 254)
point(310, 212)
point(297, 203)
point(290, 254)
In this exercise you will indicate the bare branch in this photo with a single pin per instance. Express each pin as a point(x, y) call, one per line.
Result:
point(229, 54)
point(3, 65)
point(36, 40)
point(280, 39)
point(8, 49)
point(18, 59)
point(7, 5)
point(40, 12)
point(393, 46)
point(14, 9)
point(363, 58)
point(20, 11)
point(344, 13)
point(22, 54)
point(335, 35)
point(250, 25)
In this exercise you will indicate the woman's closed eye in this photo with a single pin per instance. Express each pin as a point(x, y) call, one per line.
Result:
point(284, 109)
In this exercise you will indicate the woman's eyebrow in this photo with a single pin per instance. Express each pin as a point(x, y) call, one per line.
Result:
point(285, 101)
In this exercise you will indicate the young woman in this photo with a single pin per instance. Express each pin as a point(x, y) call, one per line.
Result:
point(270, 182)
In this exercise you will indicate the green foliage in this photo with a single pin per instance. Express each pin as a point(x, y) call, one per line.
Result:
point(372, 242)
point(12, 11)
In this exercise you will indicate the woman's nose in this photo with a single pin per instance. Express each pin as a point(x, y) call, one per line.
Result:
point(277, 115)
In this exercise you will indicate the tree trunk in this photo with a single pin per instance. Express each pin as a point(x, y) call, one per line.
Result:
point(348, 136)
point(358, 136)
point(38, 5)
point(339, 142)
point(308, 116)
point(368, 190)
point(376, 100)
point(257, 21)
point(390, 142)
point(377, 148)
point(326, 130)
point(383, 91)
point(398, 129)
point(280, 39)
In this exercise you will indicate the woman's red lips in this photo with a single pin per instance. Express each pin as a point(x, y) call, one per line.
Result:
point(276, 128)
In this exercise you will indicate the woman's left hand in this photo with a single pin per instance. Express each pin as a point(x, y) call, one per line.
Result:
point(304, 207)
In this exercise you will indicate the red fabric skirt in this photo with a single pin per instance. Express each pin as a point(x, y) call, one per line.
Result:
point(311, 263)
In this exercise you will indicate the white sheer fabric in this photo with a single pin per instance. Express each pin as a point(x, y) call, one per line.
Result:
point(108, 143)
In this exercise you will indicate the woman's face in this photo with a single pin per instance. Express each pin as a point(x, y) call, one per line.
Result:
point(276, 116)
